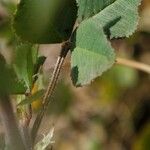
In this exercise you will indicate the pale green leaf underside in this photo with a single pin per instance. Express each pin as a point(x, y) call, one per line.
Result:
point(120, 18)
point(92, 55)
point(88, 8)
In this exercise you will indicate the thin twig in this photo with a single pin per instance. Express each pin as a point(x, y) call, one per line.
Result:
point(46, 99)
point(133, 64)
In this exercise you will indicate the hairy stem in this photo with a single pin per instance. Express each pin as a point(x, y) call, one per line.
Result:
point(133, 64)
point(51, 86)
point(13, 138)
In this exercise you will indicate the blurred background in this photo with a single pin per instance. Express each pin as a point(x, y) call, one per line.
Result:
point(113, 113)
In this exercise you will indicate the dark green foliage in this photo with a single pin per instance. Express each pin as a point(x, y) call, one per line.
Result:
point(45, 21)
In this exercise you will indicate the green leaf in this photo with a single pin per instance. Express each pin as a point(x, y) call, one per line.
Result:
point(5, 77)
point(92, 54)
point(8, 80)
point(17, 86)
point(45, 21)
point(88, 8)
point(32, 98)
point(120, 18)
point(25, 56)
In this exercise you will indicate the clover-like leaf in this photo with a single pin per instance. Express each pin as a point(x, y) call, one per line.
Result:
point(88, 8)
point(92, 53)
point(120, 18)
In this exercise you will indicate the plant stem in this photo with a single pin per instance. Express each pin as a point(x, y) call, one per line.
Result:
point(133, 64)
point(13, 138)
point(51, 86)
point(28, 112)
point(24, 123)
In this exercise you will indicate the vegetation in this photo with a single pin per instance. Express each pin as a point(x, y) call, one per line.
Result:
point(89, 30)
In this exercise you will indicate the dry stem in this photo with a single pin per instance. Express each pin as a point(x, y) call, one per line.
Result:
point(133, 64)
